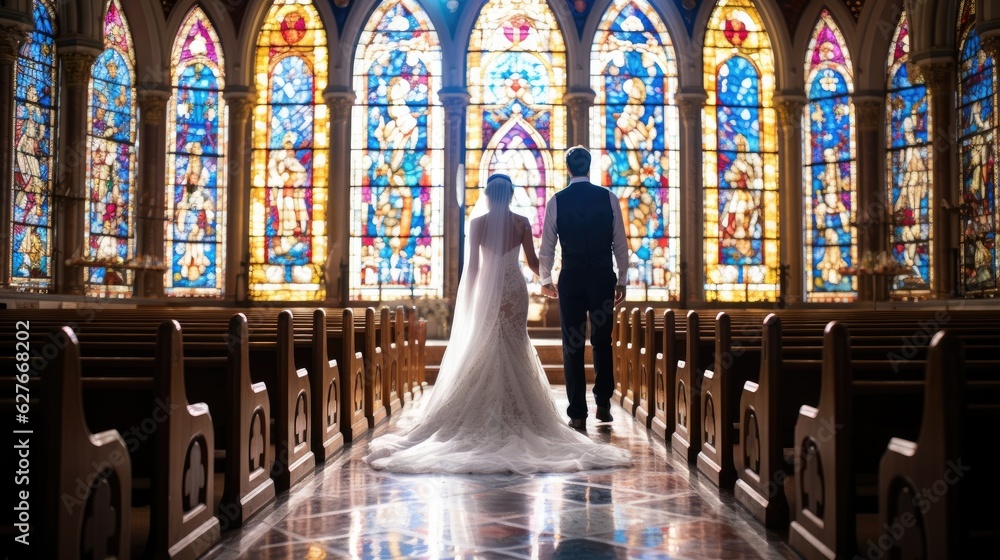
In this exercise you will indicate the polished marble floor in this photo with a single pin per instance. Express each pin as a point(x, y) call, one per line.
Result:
point(659, 508)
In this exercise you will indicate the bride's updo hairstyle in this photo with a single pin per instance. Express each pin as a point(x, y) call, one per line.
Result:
point(499, 190)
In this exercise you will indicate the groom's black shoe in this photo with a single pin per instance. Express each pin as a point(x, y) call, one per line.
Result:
point(604, 414)
point(578, 423)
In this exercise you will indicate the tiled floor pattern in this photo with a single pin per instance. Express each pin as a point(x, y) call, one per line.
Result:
point(660, 508)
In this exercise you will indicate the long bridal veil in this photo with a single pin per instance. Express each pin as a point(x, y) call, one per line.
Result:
point(490, 235)
point(491, 408)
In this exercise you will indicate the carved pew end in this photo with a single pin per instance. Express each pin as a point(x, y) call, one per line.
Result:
point(294, 457)
point(248, 486)
point(71, 451)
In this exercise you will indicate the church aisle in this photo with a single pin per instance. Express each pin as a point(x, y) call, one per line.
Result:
point(657, 509)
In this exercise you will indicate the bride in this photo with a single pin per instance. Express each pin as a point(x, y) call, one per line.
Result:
point(491, 410)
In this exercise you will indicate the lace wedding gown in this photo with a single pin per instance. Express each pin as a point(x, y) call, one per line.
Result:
point(498, 414)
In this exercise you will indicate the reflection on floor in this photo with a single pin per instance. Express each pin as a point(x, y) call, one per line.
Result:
point(657, 509)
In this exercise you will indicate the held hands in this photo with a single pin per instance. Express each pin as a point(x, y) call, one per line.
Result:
point(619, 295)
point(549, 291)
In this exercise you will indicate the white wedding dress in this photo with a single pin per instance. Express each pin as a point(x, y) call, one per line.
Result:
point(491, 410)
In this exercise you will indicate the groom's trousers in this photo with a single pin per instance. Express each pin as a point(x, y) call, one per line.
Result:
point(582, 292)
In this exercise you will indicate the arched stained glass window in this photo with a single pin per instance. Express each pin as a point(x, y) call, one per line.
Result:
point(908, 132)
point(291, 133)
point(110, 217)
point(977, 125)
point(397, 158)
point(741, 160)
point(516, 118)
point(830, 175)
point(35, 99)
point(635, 127)
point(195, 230)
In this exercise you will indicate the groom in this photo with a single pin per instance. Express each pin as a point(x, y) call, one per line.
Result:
point(587, 220)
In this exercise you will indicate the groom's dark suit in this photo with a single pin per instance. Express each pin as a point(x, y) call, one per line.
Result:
point(587, 221)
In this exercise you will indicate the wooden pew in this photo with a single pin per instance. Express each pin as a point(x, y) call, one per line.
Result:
point(182, 516)
point(838, 445)
point(175, 451)
point(812, 531)
point(715, 459)
point(412, 328)
point(293, 451)
point(620, 334)
point(401, 320)
point(687, 435)
point(759, 459)
point(645, 369)
point(664, 378)
point(99, 525)
point(421, 354)
point(937, 495)
point(263, 349)
point(402, 348)
point(391, 387)
point(248, 483)
point(326, 383)
point(633, 342)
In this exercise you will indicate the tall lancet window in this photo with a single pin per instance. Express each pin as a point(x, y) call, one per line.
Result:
point(908, 163)
point(977, 131)
point(110, 205)
point(741, 161)
point(196, 166)
point(516, 118)
point(830, 175)
point(290, 166)
point(635, 127)
point(397, 157)
point(35, 99)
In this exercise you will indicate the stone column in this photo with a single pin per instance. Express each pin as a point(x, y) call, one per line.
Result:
point(150, 188)
point(692, 292)
point(939, 75)
point(11, 38)
point(338, 213)
point(872, 210)
point(455, 101)
point(240, 102)
point(71, 186)
point(790, 193)
point(579, 102)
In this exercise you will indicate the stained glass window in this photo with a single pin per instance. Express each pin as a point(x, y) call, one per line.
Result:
point(830, 174)
point(978, 140)
point(635, 127)
point(397, 157)
point(195, 229)
point(908, 162)
point(516, 120)
point(291, 132)
point(110, 219)
point(740, 153)
point(35, 99)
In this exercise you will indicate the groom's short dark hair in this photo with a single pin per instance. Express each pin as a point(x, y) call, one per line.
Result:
point(578, 161)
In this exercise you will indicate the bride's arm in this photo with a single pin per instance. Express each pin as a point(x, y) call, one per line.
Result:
point(527, 242)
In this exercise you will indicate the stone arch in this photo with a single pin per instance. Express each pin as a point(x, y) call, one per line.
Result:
point(242, 60)
point(343, 71)
point(688, 56)
point(222, 23)
point(777, 32)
